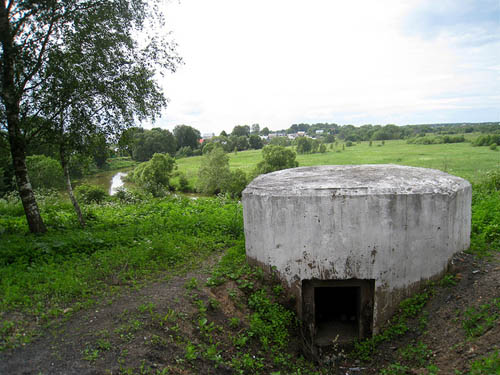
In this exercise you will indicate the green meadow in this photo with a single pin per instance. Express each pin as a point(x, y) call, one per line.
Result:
point(460, 159)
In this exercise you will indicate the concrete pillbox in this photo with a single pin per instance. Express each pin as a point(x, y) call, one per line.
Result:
point(365, 236)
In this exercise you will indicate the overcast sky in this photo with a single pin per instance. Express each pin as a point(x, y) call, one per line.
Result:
point(280, 62)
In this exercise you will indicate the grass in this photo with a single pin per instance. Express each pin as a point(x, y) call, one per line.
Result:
point(460, 159)
point(122, 244)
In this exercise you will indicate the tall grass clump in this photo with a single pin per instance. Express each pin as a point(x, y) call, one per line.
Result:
point(485, 230)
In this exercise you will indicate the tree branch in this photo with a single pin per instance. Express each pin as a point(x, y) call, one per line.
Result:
point(38, 64)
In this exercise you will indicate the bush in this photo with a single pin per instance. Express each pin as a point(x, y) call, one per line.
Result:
point(183, 183)
point(91, 194)
point(349, 144)
point(430, 140)
point(237, 183)
point(184, 152)
point(275, 159)
point(44, 172)
point(304, 145)
point(154, 175)
point(487, 140)
point(214, 174)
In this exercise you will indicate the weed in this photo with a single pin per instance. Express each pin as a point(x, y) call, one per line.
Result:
point(146, 307)
point(103, 344)
point(234, 322)
point(191, 352)
point(90, 354)
point(489, 364)
point(192, 284)
point(448, 281)
point(479, 320)
point(418, 354)
point(395, 369)
point(408, 308)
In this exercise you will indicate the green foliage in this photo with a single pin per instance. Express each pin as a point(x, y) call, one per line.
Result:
point(485, 223)
point(214, 174)
point(487, 140)
point(448, 281)
point(44, 172)
point(255, 142)
point(408, 308)
point(183, 183)
point(280, 141)
point(270, 321)
point(70, 266)
point(154, 175)
point(433, 140)
point(184, 152)
point(237, 183)
point(241, 131)
point(418, 354)
point(80, 165)
point(149, 142)
point(276, 158)
point(91, 194)
point(187, 136)
point(479, 320)
point(304, 145)
point(99, 150)
point(488, 365)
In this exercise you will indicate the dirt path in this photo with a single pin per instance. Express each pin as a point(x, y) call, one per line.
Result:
point(113, 336)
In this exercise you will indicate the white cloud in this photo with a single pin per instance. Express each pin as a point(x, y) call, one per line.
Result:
point(278, 62)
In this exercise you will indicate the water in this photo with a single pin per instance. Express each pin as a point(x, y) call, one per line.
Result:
point(116, 182)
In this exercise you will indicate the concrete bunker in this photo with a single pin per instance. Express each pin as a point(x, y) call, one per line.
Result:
point(350, 242)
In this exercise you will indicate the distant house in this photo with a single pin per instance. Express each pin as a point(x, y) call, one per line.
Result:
point(301, 134)
point(320, 131)
point(208, 135)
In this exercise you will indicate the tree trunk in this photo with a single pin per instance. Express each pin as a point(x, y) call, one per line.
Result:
point(17, 149)
point(64, 164)
point(11, 99)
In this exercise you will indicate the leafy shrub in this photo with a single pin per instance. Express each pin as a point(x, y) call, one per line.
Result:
point(485, 223)
point(88, 193)
point(489, 364)
point(276, 158)
point(487, 140)
point(183, 183)
point(430, 140)
point(214, 174)
point(237, 183)
point(44, 172)
point(80, 165)
point(184, 152)
point(154, 175)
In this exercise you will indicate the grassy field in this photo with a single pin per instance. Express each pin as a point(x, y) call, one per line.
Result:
point(460, 159)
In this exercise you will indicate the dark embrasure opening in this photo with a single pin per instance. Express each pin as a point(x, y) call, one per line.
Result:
point(336, 314)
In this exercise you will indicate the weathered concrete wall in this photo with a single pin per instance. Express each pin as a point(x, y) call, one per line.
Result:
point(397, 225)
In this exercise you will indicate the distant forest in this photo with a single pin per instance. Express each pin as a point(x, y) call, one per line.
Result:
point(387, 132)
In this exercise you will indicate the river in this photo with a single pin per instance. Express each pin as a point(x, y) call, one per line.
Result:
point(116, 182)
